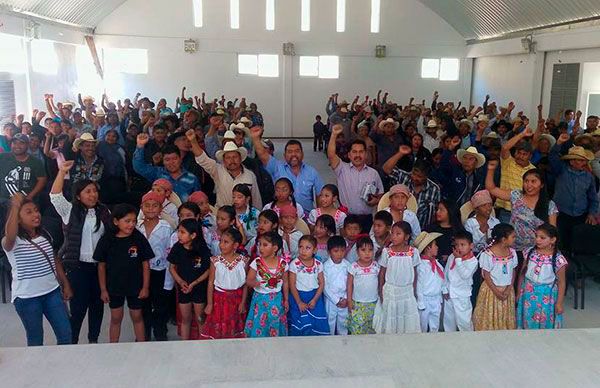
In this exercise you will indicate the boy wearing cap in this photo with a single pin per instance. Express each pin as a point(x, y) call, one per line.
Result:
point(430, 279)
point(458, 284)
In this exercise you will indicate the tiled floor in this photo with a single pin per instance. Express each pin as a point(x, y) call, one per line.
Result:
point(12, 333)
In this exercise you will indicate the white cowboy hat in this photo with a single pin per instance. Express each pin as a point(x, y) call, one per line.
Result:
point(229, 135)
point(384, 203)
point(238, 126)
point(88, 98)
point(424, 239)
point(432, 124)
point(491, 135)
point(83, 138)
point(472, 151)
point(245, 120)
point(483, 117)
point(100, 112)
point(231, 147)
point(548, 137)
point(389, 121)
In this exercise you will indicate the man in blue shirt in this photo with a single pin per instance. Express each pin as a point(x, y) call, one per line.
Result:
point(184, 183)
point(306, 180)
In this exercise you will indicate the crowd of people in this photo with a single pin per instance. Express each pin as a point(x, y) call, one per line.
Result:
point(443, 218)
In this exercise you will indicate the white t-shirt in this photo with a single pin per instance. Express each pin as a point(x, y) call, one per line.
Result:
point(160, 241)
point(480, 240)
point(307, 278)
point(336, 280)
point(32, 275)
point(500, 268)
point(291, 249)
point(400, 266)
point(229, 276)
point(410, 217)
point(270, 279)
point(540, 269)
point(366, 282)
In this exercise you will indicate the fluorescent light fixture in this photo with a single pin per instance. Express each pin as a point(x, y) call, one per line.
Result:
point(270, 15)
point(305, 15)
point(341, 16)
point(375, 15)
point(234, 14)
point(198, 13)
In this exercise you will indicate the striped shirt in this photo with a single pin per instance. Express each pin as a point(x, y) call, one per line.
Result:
point(32, 274)
point(511, 178)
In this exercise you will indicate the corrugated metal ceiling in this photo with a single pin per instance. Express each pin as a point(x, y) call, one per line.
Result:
point(483, 19)
point(84, 13)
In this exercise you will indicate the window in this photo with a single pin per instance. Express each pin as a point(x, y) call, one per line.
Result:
point(43, 57)
point(430, 68)
point(309, 66)
point(263, 65)
point(375, 15)
point(270, 15)
point(449, 69)
point(234, 14)
point(89, 81)
point(197, 13)
point(329, 66)
point(11, 54)
point(341, 16)
point(445, 69)
point(130, 61)
point(305, 15)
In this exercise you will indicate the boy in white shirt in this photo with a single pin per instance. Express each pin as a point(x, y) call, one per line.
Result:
point(336, 276)
point(380, 232)
point(460, 267)
point(430, 280)
point(352, 233)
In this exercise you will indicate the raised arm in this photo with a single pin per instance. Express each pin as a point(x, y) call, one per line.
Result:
point(388, 167)
point(505, 153)
point(556, 164)
point(334, 160)
point(208, 164)
point(139, 164)
point(12, 222)
point(49, 107)
point(491, 186)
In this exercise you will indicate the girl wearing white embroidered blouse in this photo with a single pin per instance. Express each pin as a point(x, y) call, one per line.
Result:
point(36, 274)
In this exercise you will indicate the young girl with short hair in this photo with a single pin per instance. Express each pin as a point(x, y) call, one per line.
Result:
point(495, 309)
point(363, 289)
point(542, 283)
point(287, 229)
point(327, 198)
point(396, 310)
point(190, 262)
point(268, 221)
point(208, 219)
point(324, 228)
point(124, 271)
point(307, 314)
point(284, 196)
point(268, 276)
point(227, 292)
point(246, 214)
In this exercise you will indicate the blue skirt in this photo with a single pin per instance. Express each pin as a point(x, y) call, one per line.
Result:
point(309, 322)
point(535, 307)
point(266, 317)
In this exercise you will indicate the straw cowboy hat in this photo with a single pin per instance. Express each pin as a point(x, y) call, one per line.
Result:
point(245, 120)
point(471, 151)
point(241, 127)
point(302, 226)
point(491, 135)
point(384, 202)
point(478, 199)
point(578, 153)
point(432, 124)
point(389, 121)
point(100, 112)
point(90, 98)
point(83, 138)
point(548, 137)
point(483, 117)
point(424, 239)
point(231, 147)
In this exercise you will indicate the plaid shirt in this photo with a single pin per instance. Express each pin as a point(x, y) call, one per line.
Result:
point(81, 170)
point(427, 199)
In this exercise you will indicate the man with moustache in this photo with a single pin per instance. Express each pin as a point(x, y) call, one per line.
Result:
point(353, 177)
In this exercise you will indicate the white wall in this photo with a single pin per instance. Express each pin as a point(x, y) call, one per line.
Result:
point(410, 30)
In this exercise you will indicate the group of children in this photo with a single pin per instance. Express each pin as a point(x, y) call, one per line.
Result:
point(245, 273)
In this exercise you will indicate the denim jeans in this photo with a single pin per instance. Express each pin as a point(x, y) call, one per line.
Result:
point(51, 305)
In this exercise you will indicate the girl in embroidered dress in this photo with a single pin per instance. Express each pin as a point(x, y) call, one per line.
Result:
point(327, 198)
point(245, 213)
point(268, 275)
point(307, 314)
point(542, 283)
point(363, 289)
point(226, 218)
point(284, 196)
point(396, 310)
point(495, 309)
point(227, 292)
point(324, 228)
point(268, 221)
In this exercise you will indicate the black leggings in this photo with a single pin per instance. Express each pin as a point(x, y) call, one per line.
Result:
point(86, 299)
point(155, 308)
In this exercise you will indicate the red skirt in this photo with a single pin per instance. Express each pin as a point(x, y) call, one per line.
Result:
point(194, 329)
point(225, 321)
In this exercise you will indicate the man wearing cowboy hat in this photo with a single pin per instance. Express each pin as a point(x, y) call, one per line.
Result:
point(513, 168)
point(431, 138)
point(575, 191)
point(306, 180)
point(459, 183)
point(386, 138)
point(87, 164)
point(229, 172)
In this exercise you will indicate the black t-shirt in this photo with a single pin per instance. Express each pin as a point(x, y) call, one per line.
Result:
point(19, 176)
point(190, 264)
point(123, 257)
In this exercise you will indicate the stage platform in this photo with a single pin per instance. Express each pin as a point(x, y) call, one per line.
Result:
point(562, 358)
